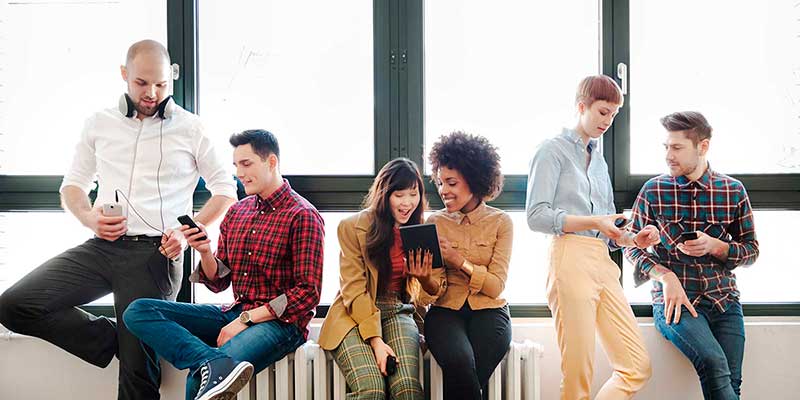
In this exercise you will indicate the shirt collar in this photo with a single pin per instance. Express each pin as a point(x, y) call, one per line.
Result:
point(704, 182)
point(573, 136)
point(473, 216)
point(276, 199)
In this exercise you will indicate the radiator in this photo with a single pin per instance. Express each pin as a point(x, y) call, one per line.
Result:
point(310, 373)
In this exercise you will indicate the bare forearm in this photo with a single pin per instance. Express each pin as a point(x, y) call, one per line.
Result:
point(261, 314)
point(578, 223)
point(209, 265)
point(76, 202)
point(213, 209)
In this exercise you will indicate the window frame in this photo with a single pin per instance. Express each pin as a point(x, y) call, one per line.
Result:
point(398, 65)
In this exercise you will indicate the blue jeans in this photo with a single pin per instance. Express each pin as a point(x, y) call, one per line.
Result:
point(713, 342)
point(186, 336)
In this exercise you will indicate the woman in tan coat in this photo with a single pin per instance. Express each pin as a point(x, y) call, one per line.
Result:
point(372, 317)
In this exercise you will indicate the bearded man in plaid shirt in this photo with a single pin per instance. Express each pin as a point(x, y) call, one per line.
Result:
point(270, 250)
point(696, 274)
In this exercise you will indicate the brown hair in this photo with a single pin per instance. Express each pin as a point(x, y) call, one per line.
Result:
point(398, 174)
point(693, 124)
point(598, 87)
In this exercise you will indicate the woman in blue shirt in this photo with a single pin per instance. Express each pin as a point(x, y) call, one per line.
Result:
point(570, 197)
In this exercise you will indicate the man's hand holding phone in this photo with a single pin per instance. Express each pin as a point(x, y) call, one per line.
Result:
point(195, 234)
point(106, 222)
point(698, 244)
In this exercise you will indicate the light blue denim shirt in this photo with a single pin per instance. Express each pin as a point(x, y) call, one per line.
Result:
point(559, 184)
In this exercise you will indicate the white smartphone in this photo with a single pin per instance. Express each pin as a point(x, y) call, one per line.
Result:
point(112, 210)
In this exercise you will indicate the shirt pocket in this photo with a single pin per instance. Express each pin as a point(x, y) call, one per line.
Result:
point(670, 229)
point(484, 249)
point(717, 226)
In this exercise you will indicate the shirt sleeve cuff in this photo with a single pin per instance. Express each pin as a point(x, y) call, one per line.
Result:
point(370, 327)
point(277, 306)
point(198, 276)
point(223, 189)
point(641, 273)
point(477, 278)
point(733, 256)
point(558, 222)
point(86, 187)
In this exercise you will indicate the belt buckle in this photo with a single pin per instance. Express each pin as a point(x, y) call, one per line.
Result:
point(134, 238)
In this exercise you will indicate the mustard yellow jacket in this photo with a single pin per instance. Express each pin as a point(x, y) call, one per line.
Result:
point(358, 279)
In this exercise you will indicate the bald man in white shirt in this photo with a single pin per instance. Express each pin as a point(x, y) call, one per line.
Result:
point(146, 155)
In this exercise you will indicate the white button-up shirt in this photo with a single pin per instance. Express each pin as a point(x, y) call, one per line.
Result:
point(143, 158)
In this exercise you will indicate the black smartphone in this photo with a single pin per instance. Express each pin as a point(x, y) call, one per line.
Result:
point(687, 236)
point(391, 365)
point(622, 222)
point(187, 220)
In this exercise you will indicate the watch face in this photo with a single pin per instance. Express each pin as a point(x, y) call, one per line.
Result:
point(244, 317)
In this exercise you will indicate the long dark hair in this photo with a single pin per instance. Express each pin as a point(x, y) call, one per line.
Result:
point(398, 174)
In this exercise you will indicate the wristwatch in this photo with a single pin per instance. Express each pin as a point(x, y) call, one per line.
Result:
point(244, 318)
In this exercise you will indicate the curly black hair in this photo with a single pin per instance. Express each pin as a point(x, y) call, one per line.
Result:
point(474, 157)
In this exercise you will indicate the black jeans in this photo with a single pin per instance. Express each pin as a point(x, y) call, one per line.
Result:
point(468, 345)
point(44, 304)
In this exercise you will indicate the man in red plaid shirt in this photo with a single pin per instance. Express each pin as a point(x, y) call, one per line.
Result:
point(270, 251)
point(707, 230)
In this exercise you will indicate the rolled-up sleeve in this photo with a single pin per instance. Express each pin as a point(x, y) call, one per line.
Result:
point(218, 177)
point(82, 171)
point(542, 184)
point(642, 260)
point(307, 245)
point(223, 276)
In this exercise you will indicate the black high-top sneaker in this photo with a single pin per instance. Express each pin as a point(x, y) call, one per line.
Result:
point(223, 378)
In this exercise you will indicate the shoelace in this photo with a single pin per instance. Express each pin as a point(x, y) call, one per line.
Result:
point(204, 373)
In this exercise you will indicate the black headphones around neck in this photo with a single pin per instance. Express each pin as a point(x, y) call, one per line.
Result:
point(164, 110)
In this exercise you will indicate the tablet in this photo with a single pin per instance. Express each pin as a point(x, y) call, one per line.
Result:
point(422, 236)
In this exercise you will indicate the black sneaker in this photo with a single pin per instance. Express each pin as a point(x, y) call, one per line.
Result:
point(222, 378)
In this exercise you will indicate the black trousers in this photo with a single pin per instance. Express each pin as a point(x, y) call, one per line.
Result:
point(468, 345)
point(45, 303)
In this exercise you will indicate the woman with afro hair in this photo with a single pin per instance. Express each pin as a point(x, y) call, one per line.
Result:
point(468, 329)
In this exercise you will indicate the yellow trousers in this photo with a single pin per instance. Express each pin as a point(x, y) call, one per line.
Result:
point(585, 297)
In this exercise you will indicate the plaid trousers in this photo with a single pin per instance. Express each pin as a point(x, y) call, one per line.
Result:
point(357, 361)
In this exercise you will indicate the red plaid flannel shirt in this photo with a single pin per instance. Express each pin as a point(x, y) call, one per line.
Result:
point(274, 250)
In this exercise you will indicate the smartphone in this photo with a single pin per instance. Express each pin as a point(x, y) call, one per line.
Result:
point(112, 210)
point(622, 222)
point(391, 365)
point(187, 220)
point(687, 236)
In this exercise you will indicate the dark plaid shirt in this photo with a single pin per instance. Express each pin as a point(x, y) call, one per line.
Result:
point(273, 250)
point(715, 204)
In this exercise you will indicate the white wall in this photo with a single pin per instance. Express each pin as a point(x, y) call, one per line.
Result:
point(31, 369)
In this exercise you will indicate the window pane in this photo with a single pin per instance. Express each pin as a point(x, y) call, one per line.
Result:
point(300, 70)
point(330, 272)
point(738, 70)
point(527, 273)
point(59, 62)
point(495, 70)
point(773, 277)
point(23, 246)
